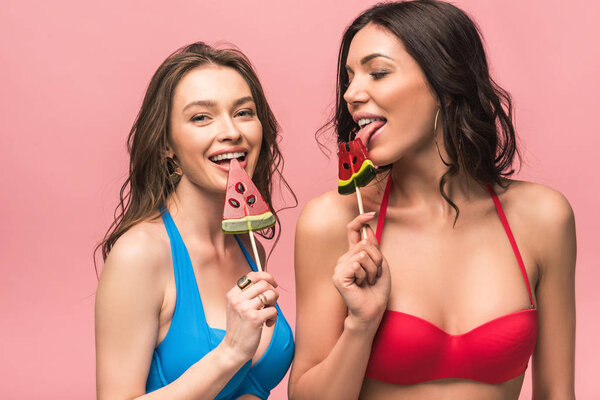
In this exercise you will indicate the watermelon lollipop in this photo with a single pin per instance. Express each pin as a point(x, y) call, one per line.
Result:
point(245, 210)
point(355, 168)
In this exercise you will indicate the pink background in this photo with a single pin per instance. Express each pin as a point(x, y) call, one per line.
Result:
point(73, 76)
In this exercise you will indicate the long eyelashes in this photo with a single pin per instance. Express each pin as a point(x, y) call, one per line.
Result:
point(378, 75)
point(375, 75)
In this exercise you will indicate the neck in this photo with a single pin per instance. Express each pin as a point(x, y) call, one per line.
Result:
point(198, 214)
point(417, 183)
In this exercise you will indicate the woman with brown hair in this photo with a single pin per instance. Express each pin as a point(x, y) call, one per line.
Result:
point(465, 273)
point(170, 319)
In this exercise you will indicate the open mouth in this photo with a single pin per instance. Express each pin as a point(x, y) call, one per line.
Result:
point(366, 121)
point(224, 158)
point(369, 127)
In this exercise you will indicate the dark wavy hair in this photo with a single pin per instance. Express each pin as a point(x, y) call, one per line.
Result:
point(476, 113)
point(149, 184)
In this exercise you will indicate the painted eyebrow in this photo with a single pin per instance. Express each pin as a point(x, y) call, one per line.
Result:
point(212, 103)
point(368, 58)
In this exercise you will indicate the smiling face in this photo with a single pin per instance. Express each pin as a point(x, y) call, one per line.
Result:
point(388, 96)
point(213, 119)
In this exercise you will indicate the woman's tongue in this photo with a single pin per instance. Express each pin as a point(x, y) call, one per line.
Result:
point(364, 134)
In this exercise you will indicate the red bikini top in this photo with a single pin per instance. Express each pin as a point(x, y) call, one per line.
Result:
point(409, 350)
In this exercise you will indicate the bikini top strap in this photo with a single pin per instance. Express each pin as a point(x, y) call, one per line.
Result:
point(188, 296)
point(246, 254)
point(511, 238)
point(178, 251)
point(251, 262)
point(383, 208)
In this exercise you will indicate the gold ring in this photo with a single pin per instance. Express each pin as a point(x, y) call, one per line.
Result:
point(263, 299)
point(244, 282)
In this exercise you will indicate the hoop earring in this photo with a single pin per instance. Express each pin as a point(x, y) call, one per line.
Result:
point(435, 138)
point(174, 170)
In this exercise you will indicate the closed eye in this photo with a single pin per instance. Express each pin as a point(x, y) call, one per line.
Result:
point(378, 75)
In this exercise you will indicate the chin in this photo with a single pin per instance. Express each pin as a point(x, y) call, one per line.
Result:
point(381, 159)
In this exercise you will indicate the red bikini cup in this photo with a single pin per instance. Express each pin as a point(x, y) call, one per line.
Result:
point(409, 350)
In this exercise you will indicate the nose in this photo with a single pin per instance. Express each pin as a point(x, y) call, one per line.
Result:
point(229, 131)
point(355, 92)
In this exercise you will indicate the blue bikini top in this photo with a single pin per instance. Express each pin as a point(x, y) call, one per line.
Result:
point(190, 338)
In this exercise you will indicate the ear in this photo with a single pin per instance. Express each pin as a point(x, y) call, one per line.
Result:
point(447, 102)
point(168, 152)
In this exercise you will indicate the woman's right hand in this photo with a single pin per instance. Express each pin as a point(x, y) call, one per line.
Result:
point(246, 314)
point(362, 275)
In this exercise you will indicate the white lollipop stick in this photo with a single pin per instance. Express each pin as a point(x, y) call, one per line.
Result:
point(361, 209)
point(253, 242)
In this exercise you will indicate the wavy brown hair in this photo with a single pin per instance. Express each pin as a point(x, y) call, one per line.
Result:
point(476, 113)
point(148, 185)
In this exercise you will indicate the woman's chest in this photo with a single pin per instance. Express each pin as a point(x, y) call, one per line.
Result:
point(457, 278)
point(205, 292)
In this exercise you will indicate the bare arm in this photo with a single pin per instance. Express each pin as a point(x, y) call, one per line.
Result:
point(554, 355)
point(340, 301)
point(128, 303)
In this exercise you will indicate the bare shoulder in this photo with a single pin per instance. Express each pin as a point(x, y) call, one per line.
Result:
point(537, 204)
point(130, 295)
point(140, 258)
point(544, 219)
point(321, 236)
point(327, 214)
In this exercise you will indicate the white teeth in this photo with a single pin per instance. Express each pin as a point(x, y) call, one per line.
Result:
point(227, 156)
point(366, 121)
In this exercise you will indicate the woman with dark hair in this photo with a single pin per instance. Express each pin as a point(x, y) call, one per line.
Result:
point(170, 319)
point(446, 299)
